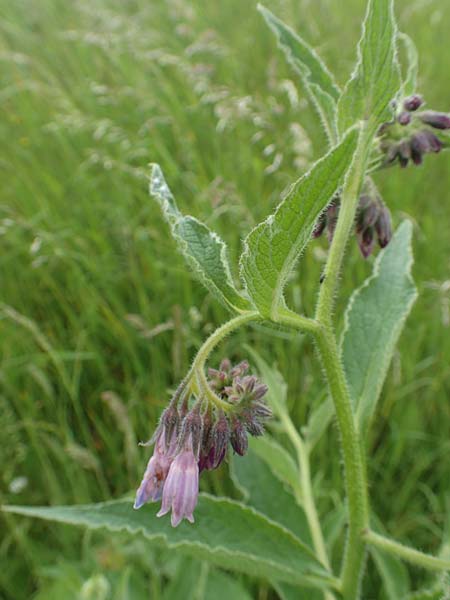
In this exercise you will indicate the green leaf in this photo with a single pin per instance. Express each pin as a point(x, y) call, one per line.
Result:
point(318, 422)
point(204, 250)
point(220, 586)
point(279, 461)
point(376, 78)
point(273, 247)
point(226, 533)
point(374, 320)
point(412, 65)
point(266, 493)
point(316, 78)
point(262, 491)
point(290, 592)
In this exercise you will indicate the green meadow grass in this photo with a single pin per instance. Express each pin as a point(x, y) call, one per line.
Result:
point(99, 317)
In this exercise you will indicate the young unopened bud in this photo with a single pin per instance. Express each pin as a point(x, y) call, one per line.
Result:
point(383, 227)
point(170, 420)
point(412, 103)
point(192, 430)
point(434, 143)
point(220, 437)
point(419, 145)
point(238, 437)
point(404, 118)
point(404, 153)
point(320, 225)
point(332, 217)
point(366, 242)
point(368, 211)
point(438, 120)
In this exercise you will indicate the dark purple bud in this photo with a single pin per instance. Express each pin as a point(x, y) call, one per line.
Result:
point(220, 437)
point(170, 420)
point(419, 145)
point(404, 153)
point(434, 143)
point(191, 431)
point(208, 423)
point(368, 211)
point(404, 118)
point(383, 227)
point(320, 225)
point(251, 422)
point(435, 119)
point(366, 242)
point(413, 102)
point(260, 390)
point(261, 410)
point(238, 437)
point(332, 217)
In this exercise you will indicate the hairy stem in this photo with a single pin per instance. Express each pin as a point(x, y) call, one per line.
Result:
point(219, 334)
point(354, 469)
point(347, 211)
point(416, 557)
point(352, 450)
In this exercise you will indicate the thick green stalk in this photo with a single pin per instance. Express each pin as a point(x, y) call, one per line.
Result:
point(352, 451)
point(347, 211)
point(354, 469)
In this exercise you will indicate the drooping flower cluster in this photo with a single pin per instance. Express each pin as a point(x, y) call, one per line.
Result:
point(194, 434)
point(373, 222)
point(413, 133)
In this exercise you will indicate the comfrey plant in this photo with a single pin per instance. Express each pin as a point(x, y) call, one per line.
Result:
point(189, 441)
point(377, 120)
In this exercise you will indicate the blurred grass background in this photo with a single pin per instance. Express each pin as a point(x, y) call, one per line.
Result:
point(99, 316)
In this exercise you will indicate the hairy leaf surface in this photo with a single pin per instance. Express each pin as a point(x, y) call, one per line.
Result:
point(204, 250)
point(273, 247)
point(226, 533)
point(315, 76)
point(376, 78)
point(374, 320)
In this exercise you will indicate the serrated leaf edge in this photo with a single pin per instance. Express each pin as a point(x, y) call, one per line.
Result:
point(161, 537)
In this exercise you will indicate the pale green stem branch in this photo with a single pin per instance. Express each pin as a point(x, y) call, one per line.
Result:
point(416, 557)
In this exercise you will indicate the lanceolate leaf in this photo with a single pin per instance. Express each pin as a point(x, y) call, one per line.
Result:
point(279, 461)
point(226, 533)
point(266, 493)
point(412, 65)
point(273, 247)
point(204, 250)
point(376, 78)
point(316, 78)
point(374, 320)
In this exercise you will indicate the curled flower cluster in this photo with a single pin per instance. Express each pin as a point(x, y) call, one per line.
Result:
point(373, 222)
point(413, 133)
point(190, 439)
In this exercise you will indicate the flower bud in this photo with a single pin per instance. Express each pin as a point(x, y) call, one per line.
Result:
point(413, 102)
point(438, 120)
point(191, 431)
point(404, 118)
point(383, 227)
point(366, 242)
point(368, 211)
point(404, 153)
point(238, 437)
point(220, 436)
point(320, 225)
